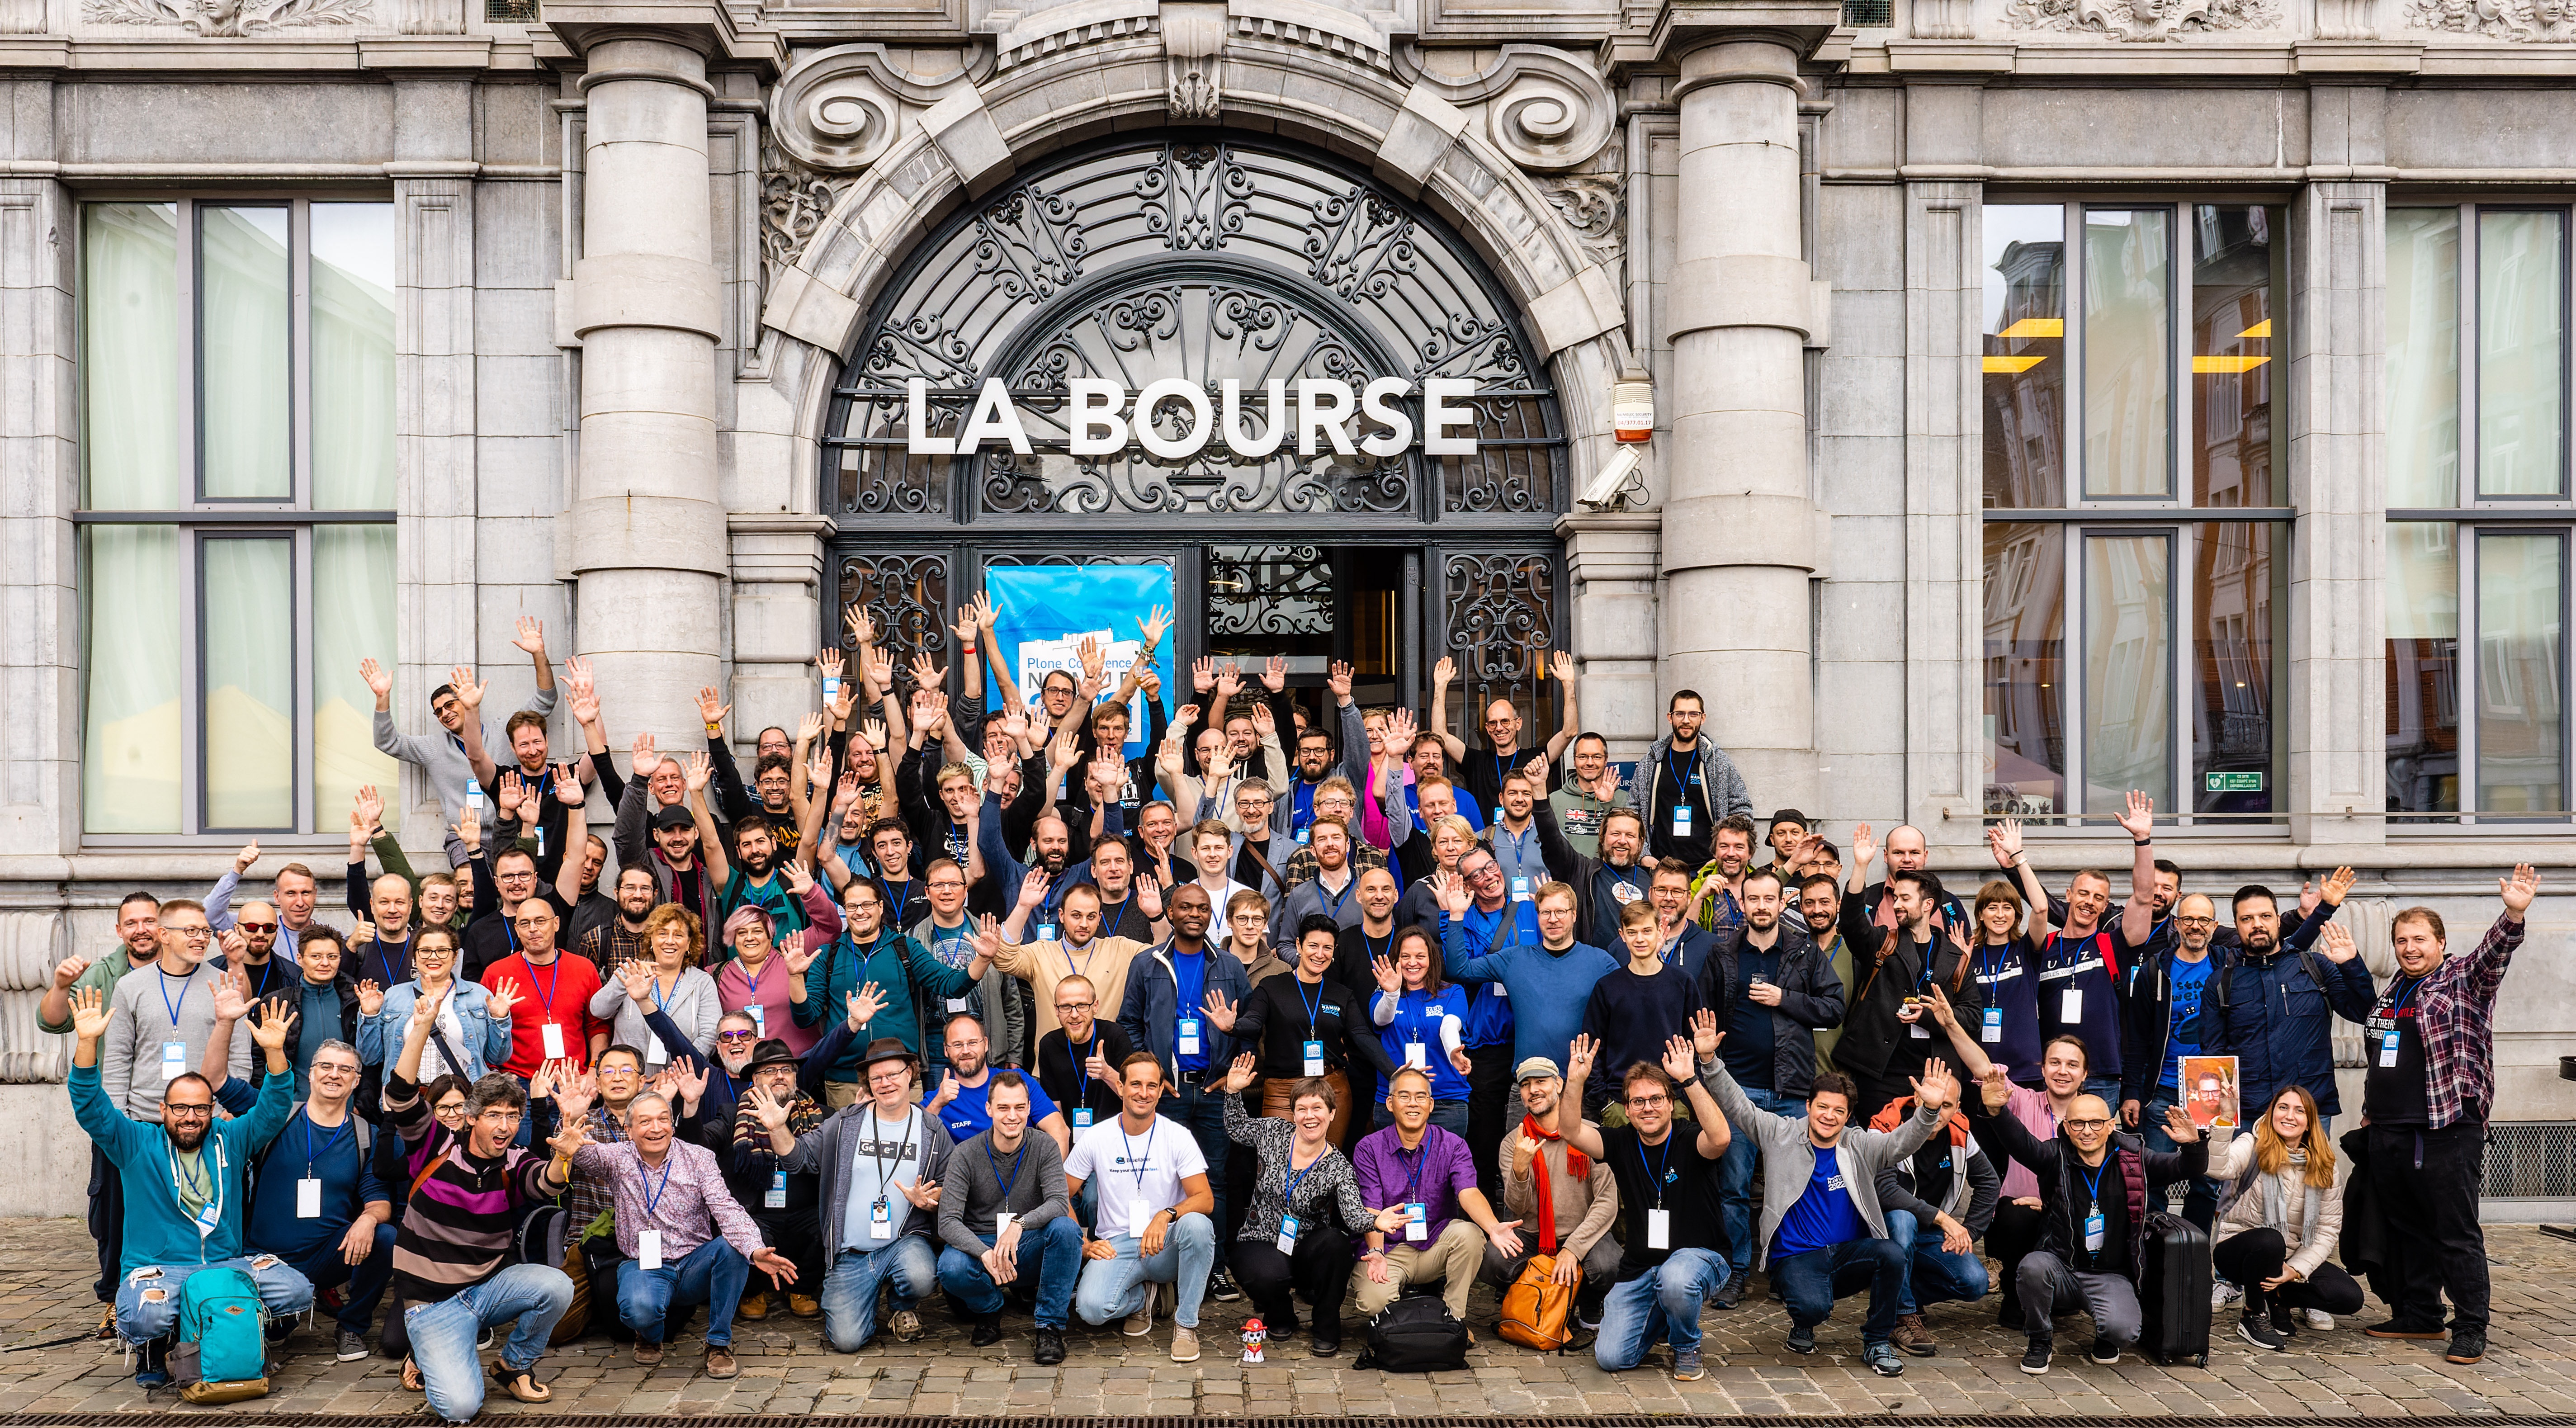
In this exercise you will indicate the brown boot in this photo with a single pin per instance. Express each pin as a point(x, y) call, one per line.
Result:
point(1912, 1337)
point(804, 1306)
point(754, 1306)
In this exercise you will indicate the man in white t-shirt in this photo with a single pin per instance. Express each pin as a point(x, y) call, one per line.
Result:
point(1153, 1225)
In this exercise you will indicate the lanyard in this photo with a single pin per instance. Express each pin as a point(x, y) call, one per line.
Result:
point(1108, 921)
point(1090, 950)
point(653, 1193)
point(1502, 771)
point(1288, 1196)
point(1661, 1168)
point(385, 960)
point(1082, 1068)
point(168, 1005)
point(1334, 908)
point(310, 1154)
point(1314, 1008)
point(1410, 1018)
point(1990, 965)
point(1135, 1161)
point(751, 981)
point(1413, 1176)
point(659, 1002)
point(877, 1151)
point(1371, 948)
point(267, 970)
point(2397, 1000)
point(1681, 783)
point(899, 905)
point(2093, 1183)
point(556, 967)
point(1013, 1183)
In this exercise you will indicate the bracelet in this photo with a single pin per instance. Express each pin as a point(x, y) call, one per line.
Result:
point(2140, 842)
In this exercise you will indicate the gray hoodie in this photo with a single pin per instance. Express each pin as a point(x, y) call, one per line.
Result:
point(1789, 1158)
point(442, 756)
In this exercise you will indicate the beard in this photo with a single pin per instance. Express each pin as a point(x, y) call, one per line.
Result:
point(190, 1138)
point(759, 864)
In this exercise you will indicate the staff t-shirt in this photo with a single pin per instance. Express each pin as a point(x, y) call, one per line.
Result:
point(1824, 1215)
point(966, 1116)
point(2005, 975)
point(1137, 1175)
point(884, 1155)
point(2187, 980)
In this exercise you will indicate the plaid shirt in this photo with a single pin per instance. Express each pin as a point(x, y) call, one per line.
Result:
point(589, 1197)
point(2455, 1014)
point(610, 947)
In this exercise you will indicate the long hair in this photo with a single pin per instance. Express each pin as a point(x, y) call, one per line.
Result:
point(2271, 1153)
point(1432, 982)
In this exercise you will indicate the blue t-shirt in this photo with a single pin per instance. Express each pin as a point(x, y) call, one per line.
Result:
point(1189, 970)
point(966, 1117)
point(1468, 807)
point(2187, 980)
point(1823, 1216)
point(1748, 1033)
point(1417, 1018)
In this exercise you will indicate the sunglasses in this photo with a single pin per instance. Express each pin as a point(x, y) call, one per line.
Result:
point(736, 1035)
point(249, 927)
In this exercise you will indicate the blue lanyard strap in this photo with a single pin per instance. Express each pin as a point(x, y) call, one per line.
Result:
point(1288, 1196)
point(1413, 1175)
point(2397, 1000)
point(1137, 1162)
point(1334, 908)
point(1655, 1173)
point(653, 1193)
point(1082, 1065)
point(2093, 1182)
point(1314, 1008)
point(168, 1005)
point(1013, 1183)
point(310, 1154)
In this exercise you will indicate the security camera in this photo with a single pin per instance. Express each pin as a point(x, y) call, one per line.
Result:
point(1622, 478)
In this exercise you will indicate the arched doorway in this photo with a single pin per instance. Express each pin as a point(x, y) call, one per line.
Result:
point(1207, 255)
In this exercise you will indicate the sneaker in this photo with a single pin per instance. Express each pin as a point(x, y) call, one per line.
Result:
point(107, 1321)
point(906, 1326)
point(1729, 1294)
point(352, 1346)
point(754, 1307)
point(1050, 1345)
point(2320, 1320)
point(278, 1332)
point(2397, 1329)
point(484, 1345)
point(2222, 1294)
point(2104, 1352)
point(2467, 1347)
point(1589, 1321)
point(2256, 1329)
point(1912, 1337)
point(1881, 1358)
point(988, 1330)
point(1141, 1323)
point(1221, 1287)
point(1802, 1338)
point(2285, 1320)
point(1185, 1345)
point(720, 1362)
point(646, 1354)
point(152, 1365)
point(1687, 1367)
point(2035, 1358)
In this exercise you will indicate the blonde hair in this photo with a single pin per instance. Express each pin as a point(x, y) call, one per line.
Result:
point(671, 913)
point(1244, 899)
point(2271, 1153)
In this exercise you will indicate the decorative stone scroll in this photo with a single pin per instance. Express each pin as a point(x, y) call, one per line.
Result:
point(1546, 109)
point(794, 201)
point(842, 108)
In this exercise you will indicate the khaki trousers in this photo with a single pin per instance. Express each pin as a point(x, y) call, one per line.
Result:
point(1450, 1261)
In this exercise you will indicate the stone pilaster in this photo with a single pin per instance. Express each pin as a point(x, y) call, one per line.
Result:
point(1611, 559)
point(435, 493)
point(40, 480)
point(1944, 480)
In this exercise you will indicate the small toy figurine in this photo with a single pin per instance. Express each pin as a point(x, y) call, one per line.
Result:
point(1254, 1336)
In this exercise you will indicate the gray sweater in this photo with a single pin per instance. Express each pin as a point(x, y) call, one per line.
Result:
point(1789, 1158)
point(129, 1062)
point(694, 1006)
point(442, 757)
point(969, 1193)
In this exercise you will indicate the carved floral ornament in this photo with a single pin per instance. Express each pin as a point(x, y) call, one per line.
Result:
point(228, 18)
point(2525, 21)
point(2149, 20)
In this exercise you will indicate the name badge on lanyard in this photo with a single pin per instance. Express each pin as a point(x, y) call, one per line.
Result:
point(1046, 932)
point(1681, 820)
point(174, 1060)
point(552, 1036)
point(1659, 1229)
point(1314, 1058)
point(881, 1220)
point(648, 1249)
point(1287, 1234)
point(776, 1198)
point(1417, 1056)
point(2093, 1235)
point(1082, 1118)
point(1992, 1033)
point(308, 1199)
point(2388, 1047)
point(759, 1018)
point(1417, 1222)
point(2070, 1005)
point(1520, 890)
point(1189, 1036)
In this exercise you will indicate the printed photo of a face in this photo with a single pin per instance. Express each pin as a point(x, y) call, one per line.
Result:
point(2210, 1095)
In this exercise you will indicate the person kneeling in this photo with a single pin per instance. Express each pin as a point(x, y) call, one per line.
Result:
point(2095, 1189)
point(1676, 1252)
point(882, 1162)
point(1004, 1220)
point(1153, 1227)
point(2283, 1213)
point(1938, 1200)
point(1566, 1195)
point(1447, 1223)
point(1823, 1235)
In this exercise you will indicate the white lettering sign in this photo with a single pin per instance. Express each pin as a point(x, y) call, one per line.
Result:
point(1099, 418)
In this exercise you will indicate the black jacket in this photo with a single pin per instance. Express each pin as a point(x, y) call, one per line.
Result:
point(1811, 999)
point(1583, 875)
point(1890, 968)
point(2143, 1175)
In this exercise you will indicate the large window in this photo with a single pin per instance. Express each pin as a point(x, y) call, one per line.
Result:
point(2478, 511)
point(2133, 489)
point(237, 545)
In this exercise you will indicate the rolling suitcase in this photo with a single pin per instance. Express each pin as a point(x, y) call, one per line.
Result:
point(2173, 1292)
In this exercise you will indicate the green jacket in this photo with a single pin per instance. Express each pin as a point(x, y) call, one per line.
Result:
point(103, 974)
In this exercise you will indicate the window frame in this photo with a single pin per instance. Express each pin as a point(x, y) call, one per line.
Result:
point(2171, 514)
point(198, 518)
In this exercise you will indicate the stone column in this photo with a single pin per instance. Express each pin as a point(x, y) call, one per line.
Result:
point(1610, 559)
point(648, 538)
point(1739, 526)
point(2338, 485)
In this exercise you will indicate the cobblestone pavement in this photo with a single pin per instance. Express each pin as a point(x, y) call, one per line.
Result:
point(46, 1269)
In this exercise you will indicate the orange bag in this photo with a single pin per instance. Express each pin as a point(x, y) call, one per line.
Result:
point(1538, 1312)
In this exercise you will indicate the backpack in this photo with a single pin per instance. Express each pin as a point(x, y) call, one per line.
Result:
point(1415, 1334)
point(222, 1355)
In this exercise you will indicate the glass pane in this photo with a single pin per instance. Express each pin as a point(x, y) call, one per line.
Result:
point(2521, 372)
point(2239, 597)
point(2128, 668)
point(2423, 592)
point(2235, 444)
point(2521, 741)
point(129, 356)
point(244, 410)
point(131, 663)
point(353, 356)
point(2128, 351)
point(246, 605)
point(2025, 668)
point(2025, 360)
point(2423, 358)
point(353, 619)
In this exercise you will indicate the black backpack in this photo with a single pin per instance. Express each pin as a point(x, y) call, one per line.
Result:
point(1415, 1334)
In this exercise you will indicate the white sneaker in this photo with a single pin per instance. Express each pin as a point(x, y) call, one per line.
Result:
point(2222, 1294)
point(2320, 1320)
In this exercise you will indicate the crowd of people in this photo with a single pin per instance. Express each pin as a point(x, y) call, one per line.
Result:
point(1311, 1006)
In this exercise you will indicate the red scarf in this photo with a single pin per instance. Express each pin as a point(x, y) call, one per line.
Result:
point(1577, 1164)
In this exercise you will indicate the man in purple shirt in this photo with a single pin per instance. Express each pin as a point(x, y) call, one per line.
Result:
point(1432, 1175)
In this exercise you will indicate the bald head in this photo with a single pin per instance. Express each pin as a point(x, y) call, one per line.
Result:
point(1906, 852)
point(389, 900)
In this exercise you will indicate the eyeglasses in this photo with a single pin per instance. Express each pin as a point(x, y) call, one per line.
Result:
point(1075, 1006)
point(2197, 921)
point(455, 1110)
point(1496, 723)
point(250, 927)
point(2087, 1125)
point(947, 885)
point(736, 1035)
point(169, 1108)
point(1649, 1102)
point(199, 933)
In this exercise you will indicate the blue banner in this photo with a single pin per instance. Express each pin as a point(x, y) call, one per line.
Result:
point(1042, 612)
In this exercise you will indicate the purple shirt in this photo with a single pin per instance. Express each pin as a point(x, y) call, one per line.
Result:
point(1391, 1175)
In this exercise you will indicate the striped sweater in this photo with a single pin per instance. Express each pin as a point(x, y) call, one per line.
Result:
point(456, 1222)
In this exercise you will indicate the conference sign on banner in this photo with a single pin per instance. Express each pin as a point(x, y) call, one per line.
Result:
point(1042, 613)
point(1099, 418)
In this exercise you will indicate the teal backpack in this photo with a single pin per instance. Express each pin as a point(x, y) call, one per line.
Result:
point(221, 1337)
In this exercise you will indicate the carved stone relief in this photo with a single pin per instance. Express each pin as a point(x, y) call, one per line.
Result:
point(2136, 20)
point(794, 200)
point(1193, 47)
point(2521, 21)
point(1595, 206)
point(840, 109)
point(1546, 109)
point(229, 18)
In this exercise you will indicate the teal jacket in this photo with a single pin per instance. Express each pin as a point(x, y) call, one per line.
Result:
point(907, 976)
point(157, 1231)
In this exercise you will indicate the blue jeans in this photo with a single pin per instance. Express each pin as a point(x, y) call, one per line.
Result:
point(2200, 1197)
point(1203, 1111)
point(443, 1334)
point(1669, 1299)
point(147, 1303)
point(1052, 1257)
point(1934, 1275)
point(713, 1274)
point(1813, 1280)
point(1735, 1179)
point(1113, 1288)
point(850, 1287)
point(367, 1279)
point(2106, 1087)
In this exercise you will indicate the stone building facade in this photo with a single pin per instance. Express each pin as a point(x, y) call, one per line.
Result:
point(2051, 397)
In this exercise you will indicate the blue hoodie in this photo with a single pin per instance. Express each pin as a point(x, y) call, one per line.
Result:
point(157, 1231)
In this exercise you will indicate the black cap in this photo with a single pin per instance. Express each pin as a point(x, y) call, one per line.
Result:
point(674, 816)
point(1790, 815)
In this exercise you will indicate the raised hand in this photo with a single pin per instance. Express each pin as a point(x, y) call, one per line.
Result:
point(1338, 680)
point(379, 682)
point(876, 667)
point(1451, 889)
point(861, 625)
point(1086, 651)
point(647, 758)
point(864, 1004)
point(575, 1093)
point(541, 1086)
point(2004, 839)
point(269, 1032)
point(798, 956)
point(1033, 888)
point(1262, 722)
point(1274, 674)
point(1220, 1012)
point(2179, 1126)
point(925, 674)
point(509, 797)
point(1203, 675)
point(1229, 682)
point(799, 877)
point(698, 770)
point(1579, 1055)
point(2518, 889)
point(2338, 883)
point(711, 706)
point(1389, 980)
point(1561, 665)
point(1443, 671)
point(469, 829)
point(1681, 1061)
point(809, 725)
point(1996, 1090)
point(1239, 1075)
point(90, 1013)
point(1863, 849)
point(818, 770)
point(981, 607)
point(1153, 627)
point(1063, 753)
point(2138, 818)
point(1401, 730)
point(68, 971)
point(469, 691)
point(637, 976)
point(367, 812)
point(498, 1001)
point(2338, 944)
point(568, 1141)
point(690, 1079)
point(248, 855)
point(1936, 1086)
point(232, 996)
point(568, 790)
point(1705, 1037)
point(371, 998)
point(424, 1009)
point(531, 636)
point(770, 1111)
point(1942, 1015)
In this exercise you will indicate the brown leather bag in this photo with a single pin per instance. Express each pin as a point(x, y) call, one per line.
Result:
point(1538, 1312)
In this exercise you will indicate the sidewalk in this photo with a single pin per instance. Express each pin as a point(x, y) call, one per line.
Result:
point(46, 1267)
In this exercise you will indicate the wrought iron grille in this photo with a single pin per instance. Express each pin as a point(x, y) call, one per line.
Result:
point(907, 595)
point(1203, 259)
point(1268, 590)
point(1500, 611)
